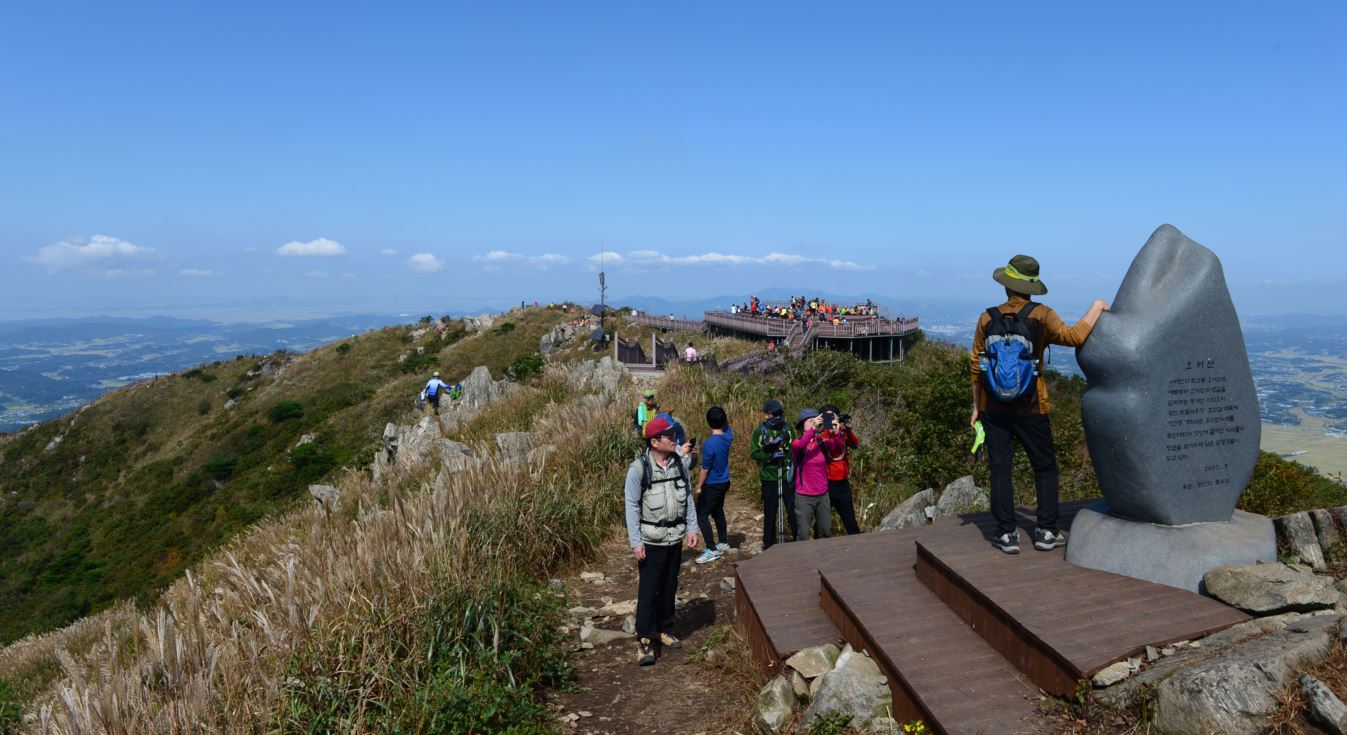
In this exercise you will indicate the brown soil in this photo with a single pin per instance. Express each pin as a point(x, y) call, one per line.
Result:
point(680, 693)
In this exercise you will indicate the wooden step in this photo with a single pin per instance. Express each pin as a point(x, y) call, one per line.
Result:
point(1056, 622)
point(939, 670)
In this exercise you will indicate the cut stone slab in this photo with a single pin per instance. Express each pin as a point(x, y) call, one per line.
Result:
point(962, 496)
point(1325, 707)
point(1170, 415)
point(1236, 691)
point(814, 662)
point(910, 512)
point(1267, 589)
point(1174, 555)
point(1296, 530)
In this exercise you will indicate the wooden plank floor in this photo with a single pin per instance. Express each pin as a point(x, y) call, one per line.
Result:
point(1081, 619)
point(939, 669)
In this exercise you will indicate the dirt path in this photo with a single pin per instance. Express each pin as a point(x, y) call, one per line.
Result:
point(679, 694)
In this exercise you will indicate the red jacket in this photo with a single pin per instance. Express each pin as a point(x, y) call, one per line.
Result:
point(839, 464)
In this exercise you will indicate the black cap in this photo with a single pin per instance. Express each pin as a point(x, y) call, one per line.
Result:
point(773, 407)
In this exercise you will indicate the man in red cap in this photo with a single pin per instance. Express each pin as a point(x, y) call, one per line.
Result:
point(661, 521)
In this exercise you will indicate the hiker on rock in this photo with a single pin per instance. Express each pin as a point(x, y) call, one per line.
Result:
point(1010, 397)
point(434, 389)
point(712, 485)
point(809, 458)
point(661, 519)
point(837, 425)
point(769, 446)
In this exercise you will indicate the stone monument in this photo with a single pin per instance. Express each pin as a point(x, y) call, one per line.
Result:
point(1171, 421)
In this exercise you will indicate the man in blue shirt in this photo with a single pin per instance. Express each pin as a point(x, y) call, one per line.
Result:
point(713, 483)
point(434, 389)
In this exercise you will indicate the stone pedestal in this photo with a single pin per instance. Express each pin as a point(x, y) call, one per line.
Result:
point(1177, 556)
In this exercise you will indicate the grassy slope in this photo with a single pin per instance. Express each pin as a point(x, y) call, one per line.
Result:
point(149, 478)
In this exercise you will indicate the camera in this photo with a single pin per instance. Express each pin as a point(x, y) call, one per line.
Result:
point(692, 440)
point(844, 418)
point(829, 419)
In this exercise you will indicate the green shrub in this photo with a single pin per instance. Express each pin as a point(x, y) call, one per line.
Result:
point(344, 348)
point(203, 407)
point(234, 392)
point(284, 411)
point(419, 363)
point(220, 467)
point(201, 375)
point(832, 723)
point(524, 367)
point(1279, 487)
point(504, 328)
point(311, 462)
point(11, 712)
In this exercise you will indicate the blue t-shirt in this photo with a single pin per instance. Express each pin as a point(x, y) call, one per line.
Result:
point(716, 457)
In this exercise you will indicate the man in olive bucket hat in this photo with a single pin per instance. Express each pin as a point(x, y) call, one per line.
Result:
point(1021, 321)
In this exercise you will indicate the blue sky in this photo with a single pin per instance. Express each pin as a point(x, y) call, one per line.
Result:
point(192, 157)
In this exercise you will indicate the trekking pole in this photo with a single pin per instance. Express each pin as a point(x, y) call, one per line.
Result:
point(781, 513)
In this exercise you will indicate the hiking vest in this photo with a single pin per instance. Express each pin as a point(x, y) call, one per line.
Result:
point(664, 500)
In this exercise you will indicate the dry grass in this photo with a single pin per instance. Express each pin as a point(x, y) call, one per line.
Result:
point(1291, 716)
point(215, 653)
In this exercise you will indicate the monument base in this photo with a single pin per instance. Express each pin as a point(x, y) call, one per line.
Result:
point(1177, 556)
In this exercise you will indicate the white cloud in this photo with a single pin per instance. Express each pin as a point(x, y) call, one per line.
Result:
point(495, 259)
point(640, 259)
point(389, 252)
point(317, 274)
point(321, 247)
point(100, 253)
point(197, 273)
point(425, 263)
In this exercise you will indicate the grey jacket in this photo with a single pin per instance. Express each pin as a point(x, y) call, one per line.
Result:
point(665, 502)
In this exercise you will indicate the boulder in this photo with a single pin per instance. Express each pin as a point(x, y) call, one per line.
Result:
point(1325, 530)
point(328, 497)
point(910, 512)
point(1324, 706)
point(515, 444)
point(1296, 532)
point(774, 707)
point(455, 456)
point(962, 496)
point(854, 687)
point(1237, 690)
point(229, 404)
point(307, 439)
point(816, 661)
point(1267, 589)
point(801, 687)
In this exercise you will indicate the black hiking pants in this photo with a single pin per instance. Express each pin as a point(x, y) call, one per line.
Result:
point(1035, 435)
point(839, 495)
point(770, 508)
point(656, 589)
point(434, 401)
point(711, 507)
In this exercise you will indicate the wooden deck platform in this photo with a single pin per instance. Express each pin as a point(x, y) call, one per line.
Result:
point(967, 635)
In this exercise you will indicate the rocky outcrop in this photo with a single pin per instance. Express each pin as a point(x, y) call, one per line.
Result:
point(1236, 692)
point(604, 376)
point(560, 334)
point(1268, 589)
point(328, 497)
point(1324, 706)
point(515, 445)
point(962, 496)
point(910, 512)
point(479, 323)
point(1296, 530)
point(854, 687)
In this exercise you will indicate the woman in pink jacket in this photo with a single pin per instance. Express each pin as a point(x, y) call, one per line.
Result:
point(810, 459)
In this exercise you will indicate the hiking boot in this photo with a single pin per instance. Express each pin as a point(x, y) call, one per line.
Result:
point(669, 641)
point(1008, 542)
point(709, 555)
point(1047, 539)
point(722, 547)
point(645, 652)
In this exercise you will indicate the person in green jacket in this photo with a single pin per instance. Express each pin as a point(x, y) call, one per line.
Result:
point(770, 448)
point(645, 410)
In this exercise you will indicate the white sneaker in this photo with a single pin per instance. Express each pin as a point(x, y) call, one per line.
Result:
point(722, 547)
point(708, 556)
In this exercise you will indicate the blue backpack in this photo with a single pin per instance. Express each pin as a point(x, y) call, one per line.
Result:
point(1008, 364)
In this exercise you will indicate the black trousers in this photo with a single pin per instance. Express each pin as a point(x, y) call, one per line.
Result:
point(770, 508)
point(1035, 435)
point(656, 589)
point(839, 496)
point(434, 403)
point(711, 507)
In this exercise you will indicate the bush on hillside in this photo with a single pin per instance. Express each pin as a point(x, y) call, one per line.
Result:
point(201, 375)
point(503, 328)
point(284, 411)
point(11, 712)
point(343, 348)
point(311, 462)
point(221, 466)
point(525, 367)
point(1279, 487)
point(419, 363)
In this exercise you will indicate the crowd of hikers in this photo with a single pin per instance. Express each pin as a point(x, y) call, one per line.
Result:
point(803, 467)
point(800, 307)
